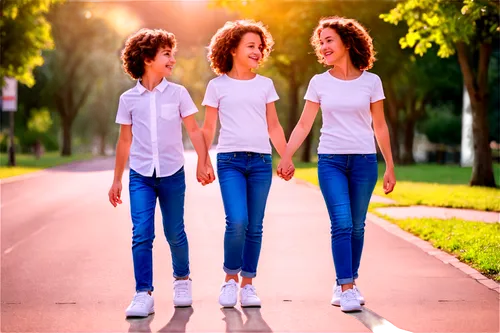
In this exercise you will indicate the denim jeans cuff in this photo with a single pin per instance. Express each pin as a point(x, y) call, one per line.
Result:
point(231, 271)
point(355, 276)
point(248, 274)
point(177, 277)
point(145, 289)
point(345, 281)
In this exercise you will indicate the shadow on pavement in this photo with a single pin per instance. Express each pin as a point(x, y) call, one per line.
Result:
point(178, 321)
point(140, 324)
point(254, 322)
point(375, 322)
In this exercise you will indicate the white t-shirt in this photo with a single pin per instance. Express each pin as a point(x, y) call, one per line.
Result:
point(242, 112)
point(156, 117)
point(345, 105)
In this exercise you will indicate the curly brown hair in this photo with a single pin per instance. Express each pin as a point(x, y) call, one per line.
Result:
point(227, 39)
point(144, 45)
point(353, 35)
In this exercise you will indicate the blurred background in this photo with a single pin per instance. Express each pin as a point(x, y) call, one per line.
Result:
point(438, 61)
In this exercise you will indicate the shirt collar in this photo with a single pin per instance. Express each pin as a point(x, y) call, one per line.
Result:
point(161, 87)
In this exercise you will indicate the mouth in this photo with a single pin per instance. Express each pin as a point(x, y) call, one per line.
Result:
point(170, 67)
point(253, 57)
point(328, 53)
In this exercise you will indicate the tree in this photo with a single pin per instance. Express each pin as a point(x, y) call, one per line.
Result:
point(468, 28)
point(24, 33)
point(82, 40)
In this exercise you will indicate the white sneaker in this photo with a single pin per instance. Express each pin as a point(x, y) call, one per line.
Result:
point(142, 305)
point(349, 301)
point(337, 291)
point(360, 297)
point(228, 294)
point(248, 296)
point(183, 293)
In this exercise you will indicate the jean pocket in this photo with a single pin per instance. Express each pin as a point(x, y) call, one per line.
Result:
point(267, 158)
point(370, 158)
point(224, 157)
point(170, 111)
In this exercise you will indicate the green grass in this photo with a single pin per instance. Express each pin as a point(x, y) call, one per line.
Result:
point(431, 185)
point(474, 243)
point(26, 163)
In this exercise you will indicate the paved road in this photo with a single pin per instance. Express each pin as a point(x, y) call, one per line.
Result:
point(66, 266)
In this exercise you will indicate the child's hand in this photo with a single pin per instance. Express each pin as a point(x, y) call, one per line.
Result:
point(286, 169)
point(115, 193)
point(205, 173)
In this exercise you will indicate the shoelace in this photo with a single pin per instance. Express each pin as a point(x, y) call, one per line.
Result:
point(249, 291)
point(139, 299)
point(229, 289)
point(349, 295)
point(181, 289)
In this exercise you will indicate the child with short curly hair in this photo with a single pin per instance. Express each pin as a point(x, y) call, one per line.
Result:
point(245, 102)
point(150, 116)
point(351, 101)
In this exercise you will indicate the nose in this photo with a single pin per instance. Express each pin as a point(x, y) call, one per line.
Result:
point(172, 60)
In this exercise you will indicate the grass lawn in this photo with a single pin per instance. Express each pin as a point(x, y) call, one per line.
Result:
point(475, 243)
point(26, 163)
point(431, 185)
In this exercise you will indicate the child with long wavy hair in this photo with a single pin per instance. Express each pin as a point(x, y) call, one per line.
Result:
point(351, 101)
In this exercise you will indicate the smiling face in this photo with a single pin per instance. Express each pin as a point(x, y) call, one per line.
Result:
point(163, 63)
point(331, 46)
point(248, 53)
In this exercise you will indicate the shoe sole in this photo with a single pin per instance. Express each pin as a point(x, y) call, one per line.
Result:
point(183, 305)
point(228, 305)
point(251, 306)
point(351, 310)
point(338, 304)
point(135, 315)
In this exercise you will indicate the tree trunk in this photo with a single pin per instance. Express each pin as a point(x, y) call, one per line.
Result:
point(307, 147)
point(408, 141)
point(482, 168)
point(66, 144)
point(393, 122)
point(293, 101)
point(102, 144)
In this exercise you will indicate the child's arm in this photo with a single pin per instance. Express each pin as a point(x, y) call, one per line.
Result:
point(298, 136)
point(205, 173)
point(122, 153)
point(209, 125)
point(275, 129)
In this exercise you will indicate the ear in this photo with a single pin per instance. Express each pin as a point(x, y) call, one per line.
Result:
point(233, 52)
point(147, 61)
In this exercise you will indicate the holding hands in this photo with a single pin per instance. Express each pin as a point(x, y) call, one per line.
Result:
point(286, 169)
point(205, 172)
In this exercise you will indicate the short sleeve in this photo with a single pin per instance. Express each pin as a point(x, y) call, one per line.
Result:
point(272, 95)
point(124, 115)
point(186, 104)
point(211, 98)
point(312, 93)
point(377, 91)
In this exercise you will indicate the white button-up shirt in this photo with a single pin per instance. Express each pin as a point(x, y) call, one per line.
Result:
point(156, 118)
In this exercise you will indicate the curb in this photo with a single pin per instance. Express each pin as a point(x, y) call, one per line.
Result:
point(425, 246)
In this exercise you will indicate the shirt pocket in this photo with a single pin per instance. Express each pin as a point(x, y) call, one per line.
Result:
point(170, 111)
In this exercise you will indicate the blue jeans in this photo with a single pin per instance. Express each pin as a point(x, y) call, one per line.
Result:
point(143, 194)
point(347, 183)
point(245, 179)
